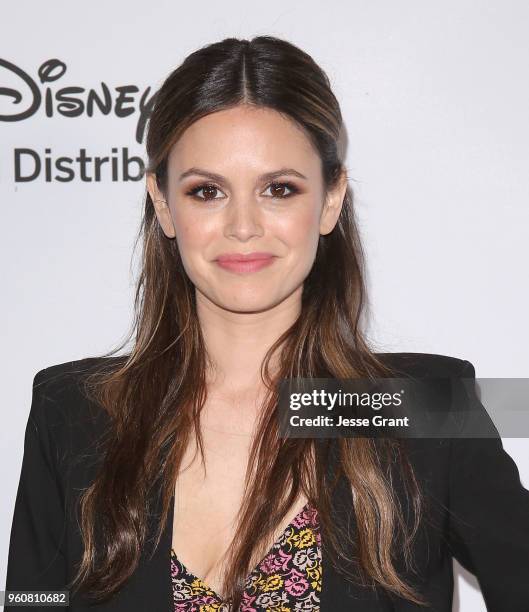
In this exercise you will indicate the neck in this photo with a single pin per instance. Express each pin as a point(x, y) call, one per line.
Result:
point(236, 342)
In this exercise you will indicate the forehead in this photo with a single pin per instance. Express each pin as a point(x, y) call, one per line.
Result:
point(244, 136)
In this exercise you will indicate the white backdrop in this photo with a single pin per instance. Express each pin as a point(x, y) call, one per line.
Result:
point(434, 97)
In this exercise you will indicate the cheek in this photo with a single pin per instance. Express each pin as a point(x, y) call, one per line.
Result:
point(300, 230)
point(196, 237)
point(186, 237)
point(297, 229)
point(190, 230)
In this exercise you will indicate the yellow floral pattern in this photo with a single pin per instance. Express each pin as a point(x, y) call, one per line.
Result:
point(288, 578)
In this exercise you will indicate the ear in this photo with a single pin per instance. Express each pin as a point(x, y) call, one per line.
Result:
point(333, 205)
point(161, 207)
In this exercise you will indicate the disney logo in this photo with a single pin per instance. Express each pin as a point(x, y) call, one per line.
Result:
point(122, 101)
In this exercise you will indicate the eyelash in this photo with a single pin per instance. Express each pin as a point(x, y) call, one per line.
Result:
point(293, 191)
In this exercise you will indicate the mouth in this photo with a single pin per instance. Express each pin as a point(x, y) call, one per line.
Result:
point(245, 263)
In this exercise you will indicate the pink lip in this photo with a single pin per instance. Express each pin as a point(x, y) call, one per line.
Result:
point(245, 262)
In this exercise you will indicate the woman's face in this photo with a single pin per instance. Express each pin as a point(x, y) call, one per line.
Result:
point(242, 211)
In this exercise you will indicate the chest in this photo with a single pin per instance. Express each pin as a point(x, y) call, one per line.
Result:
point(208, 498)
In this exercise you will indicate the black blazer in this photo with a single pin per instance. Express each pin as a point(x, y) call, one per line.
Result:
point(481, 509)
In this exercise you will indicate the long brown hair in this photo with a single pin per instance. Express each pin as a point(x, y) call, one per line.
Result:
point(155, 393)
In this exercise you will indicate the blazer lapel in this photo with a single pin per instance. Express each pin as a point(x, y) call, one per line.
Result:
point(157, 570)
point(339, 594)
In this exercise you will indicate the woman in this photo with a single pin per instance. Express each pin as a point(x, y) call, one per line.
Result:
point(157, 480)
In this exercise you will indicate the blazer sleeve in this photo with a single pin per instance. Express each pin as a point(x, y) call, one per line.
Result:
point(36, 558)
point(489, 518)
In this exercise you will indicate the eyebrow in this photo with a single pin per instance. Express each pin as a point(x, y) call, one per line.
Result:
point(267, 176)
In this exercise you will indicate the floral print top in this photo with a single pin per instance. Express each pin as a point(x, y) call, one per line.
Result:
point(287, 579)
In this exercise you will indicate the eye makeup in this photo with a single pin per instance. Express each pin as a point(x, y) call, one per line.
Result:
point(293, 190)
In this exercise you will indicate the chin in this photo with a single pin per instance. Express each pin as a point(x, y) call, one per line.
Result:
point(248, 306)
point(245, 301)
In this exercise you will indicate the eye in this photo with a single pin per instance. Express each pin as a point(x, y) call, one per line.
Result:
point(293, 190)
point(207, 187)
point(209, 190)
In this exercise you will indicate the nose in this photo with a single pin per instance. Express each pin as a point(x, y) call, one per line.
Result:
point(243, 219)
